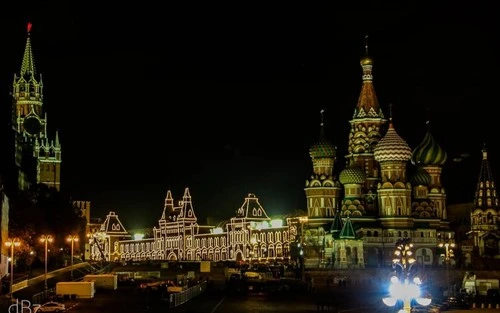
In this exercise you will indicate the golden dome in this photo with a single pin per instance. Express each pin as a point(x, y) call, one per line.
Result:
point(366, 61)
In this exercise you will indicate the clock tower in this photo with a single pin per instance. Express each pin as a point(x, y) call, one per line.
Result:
point(37, 157)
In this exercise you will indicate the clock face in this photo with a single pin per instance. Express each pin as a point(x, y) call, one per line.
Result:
point(32, 125)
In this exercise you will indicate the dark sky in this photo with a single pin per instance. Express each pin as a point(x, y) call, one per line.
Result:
point(225, 98)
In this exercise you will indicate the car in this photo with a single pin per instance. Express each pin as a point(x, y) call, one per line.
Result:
point(51, 306)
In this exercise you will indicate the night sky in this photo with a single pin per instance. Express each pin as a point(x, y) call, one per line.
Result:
point(225, 98)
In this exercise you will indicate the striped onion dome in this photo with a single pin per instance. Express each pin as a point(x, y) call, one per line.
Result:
point(352, 174)
point(392, 147)
point(428, 152)
point(420, 177)
point(323, 148)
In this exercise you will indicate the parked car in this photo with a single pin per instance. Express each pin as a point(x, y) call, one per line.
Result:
point(51, 306)
point(457, 303)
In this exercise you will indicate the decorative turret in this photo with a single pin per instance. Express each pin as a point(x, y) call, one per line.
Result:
point(322, 190)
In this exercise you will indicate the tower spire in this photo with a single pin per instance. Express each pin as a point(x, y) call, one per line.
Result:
point(368, 105)
point(322, 111)
point(390, 115)
point(28, 64)
point(366, 46)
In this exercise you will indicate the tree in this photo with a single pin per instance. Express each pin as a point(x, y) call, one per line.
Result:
point(43, 211)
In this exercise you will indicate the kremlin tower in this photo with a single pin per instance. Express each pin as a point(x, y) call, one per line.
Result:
point(37, 157)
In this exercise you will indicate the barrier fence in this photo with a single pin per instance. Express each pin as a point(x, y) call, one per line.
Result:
point(179, 298)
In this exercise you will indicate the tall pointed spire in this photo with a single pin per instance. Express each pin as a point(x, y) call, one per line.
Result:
point(486, 196)
point(368, 105)
point(169, 205)
point(337, 225)
point(28, 64)
point(347, 231)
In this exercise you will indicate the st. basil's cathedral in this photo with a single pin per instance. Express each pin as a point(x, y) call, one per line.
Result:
point(354, 219)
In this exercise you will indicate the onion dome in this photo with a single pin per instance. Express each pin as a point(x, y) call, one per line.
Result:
point(392, 147)
point(366, 60)
point(352, 174)
point(420, 177)
point(323, 148)
point(428, 152)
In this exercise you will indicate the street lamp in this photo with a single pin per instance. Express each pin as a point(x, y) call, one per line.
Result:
point(72, 239)
point(403, 286)
point(11, 243)
point(46, 239)
point(448, 254)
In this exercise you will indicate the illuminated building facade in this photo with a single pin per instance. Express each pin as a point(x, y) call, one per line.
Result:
point(250, 235)
point(37, 158)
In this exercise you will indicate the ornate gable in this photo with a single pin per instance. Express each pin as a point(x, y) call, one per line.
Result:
point(112, 225)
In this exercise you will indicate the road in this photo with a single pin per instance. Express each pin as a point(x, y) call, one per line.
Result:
point(130, 299)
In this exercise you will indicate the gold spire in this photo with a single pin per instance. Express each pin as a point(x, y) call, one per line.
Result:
point(390, 116)
point(368, 105)
point(366, 60)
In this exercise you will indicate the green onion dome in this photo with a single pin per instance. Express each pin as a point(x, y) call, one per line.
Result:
point(352, 174)
point(428, 152)
point(323, 148)
point(392, 147)
point(420, 177)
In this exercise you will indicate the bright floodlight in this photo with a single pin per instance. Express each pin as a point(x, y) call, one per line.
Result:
point(277, 223)
point(138, 236)
point(404, 291)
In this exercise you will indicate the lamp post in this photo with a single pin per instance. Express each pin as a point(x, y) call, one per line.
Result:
point(405, 287)
point(11, 243)
point(302, 221)
point(72, 239)
point(448, 246)
point(46, 239)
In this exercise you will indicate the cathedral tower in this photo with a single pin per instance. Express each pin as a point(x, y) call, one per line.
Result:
point(394, 192)
point(322, 190)
point(429, 158)
point(37, 158)
point(365, 133)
